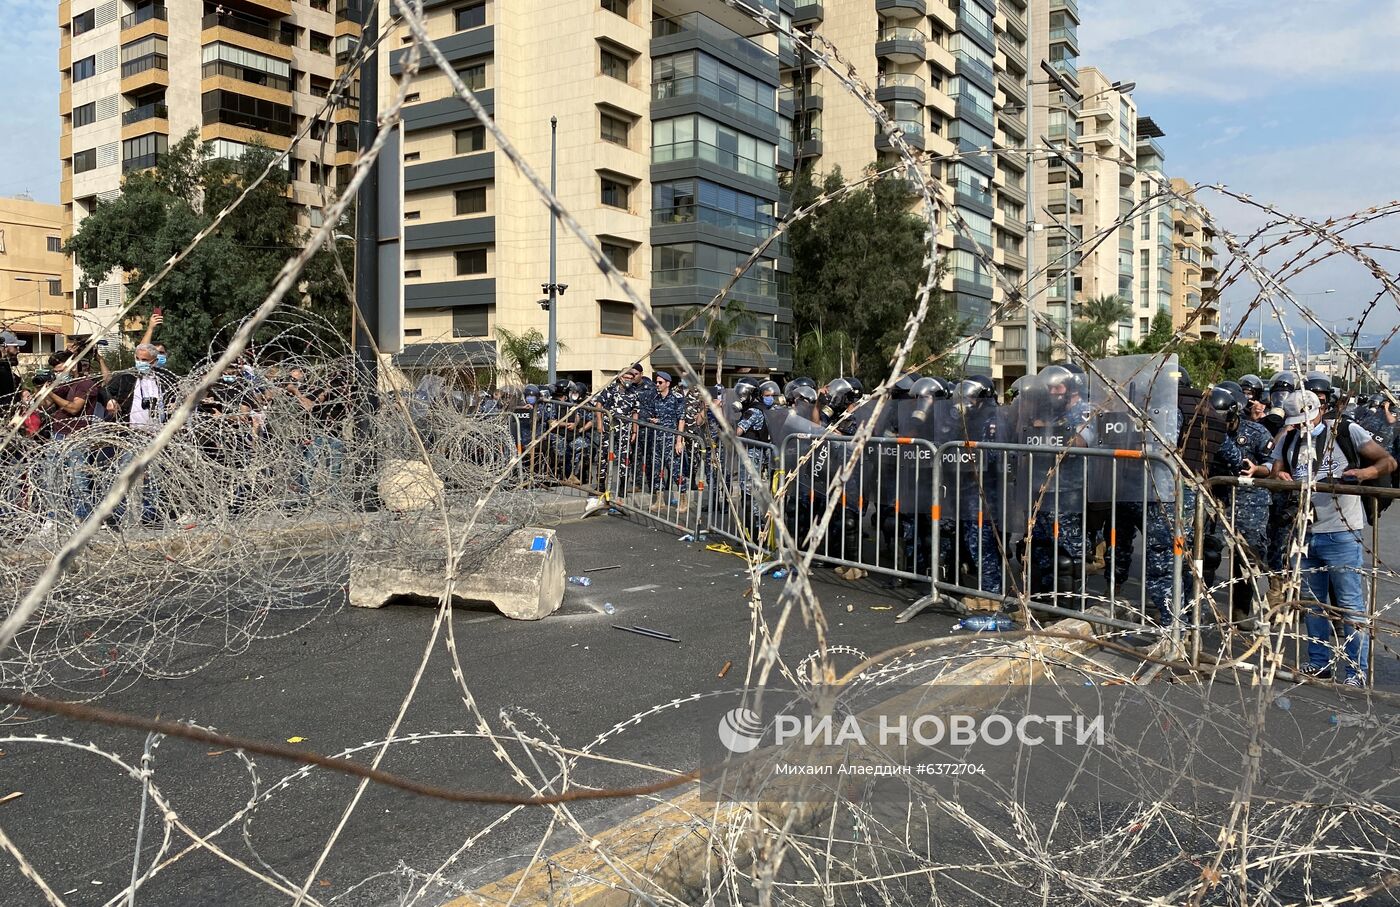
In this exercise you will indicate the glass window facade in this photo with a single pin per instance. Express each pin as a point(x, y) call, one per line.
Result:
point(691, 137)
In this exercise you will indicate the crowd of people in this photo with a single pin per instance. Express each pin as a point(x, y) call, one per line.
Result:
point(654, 432)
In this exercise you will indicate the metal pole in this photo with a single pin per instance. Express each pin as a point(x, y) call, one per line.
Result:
point(367, 208)
point(553, 252)
point(1030, 207)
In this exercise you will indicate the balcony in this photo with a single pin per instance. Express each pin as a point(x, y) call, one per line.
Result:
point(265, 30)
point(913, 135)
point(901, 44)
point(144, 64)
point(808, 14)
point(1062, 201)
point(967, 62)
point(900, 86)
point(155, 111)
point(697, 150)
point(902, 9)
point(144, 14)
point(1068, 36)
point(740, 47)
point(1015, 54)
point(1067, 6)
point(1067, 68)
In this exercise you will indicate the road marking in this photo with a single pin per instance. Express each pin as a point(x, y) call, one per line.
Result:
point(642, 588)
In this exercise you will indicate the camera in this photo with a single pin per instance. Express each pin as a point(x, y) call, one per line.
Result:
point(150, 404)
point(43, 376)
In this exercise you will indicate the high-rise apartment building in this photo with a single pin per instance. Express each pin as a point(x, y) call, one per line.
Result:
point(667, 119)
point(137, 75)
point(1154, 233)
point(1108, 159)
point(1193, 303)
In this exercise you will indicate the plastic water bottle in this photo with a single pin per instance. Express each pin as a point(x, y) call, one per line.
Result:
point(779, 573)
point(580, 581)
point(989, 623)
point(608, 608)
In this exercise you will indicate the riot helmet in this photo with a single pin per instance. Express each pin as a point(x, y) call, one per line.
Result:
point(1018, 387)
point(1183, 378)
point(1282, 384)
point(856, 386)
point(532, 394)
point(1224, 402)
point(903, 389)
point(1061, 384)
point(840, 394)
point(768, 393)
point(1254, 387)
point(790, 388)
point(1321, 385)
point(976, 387)
point(925, 391)
point(803, 395)
point(1237, 391)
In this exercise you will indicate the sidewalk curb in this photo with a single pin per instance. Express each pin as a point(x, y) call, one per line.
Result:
point(668, 846)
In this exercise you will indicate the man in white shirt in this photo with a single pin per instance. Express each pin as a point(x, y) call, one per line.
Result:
point(138, 397)
point(1333, 554)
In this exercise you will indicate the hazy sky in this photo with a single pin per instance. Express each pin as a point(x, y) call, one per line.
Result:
point(1290, 102)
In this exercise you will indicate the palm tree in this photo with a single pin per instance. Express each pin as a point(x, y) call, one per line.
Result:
point(1097, 322)
point(822, 354)
point(730, 329)
point(521, 355)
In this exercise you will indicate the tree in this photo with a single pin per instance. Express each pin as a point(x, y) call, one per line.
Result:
point(824, 355)
point(1205, 359)
point(231, 271)
point(1097, 323)
point(521, 356)
point(729, 329)
point(1156, 339)
point(858, 262)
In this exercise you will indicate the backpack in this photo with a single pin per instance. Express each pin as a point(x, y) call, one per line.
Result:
point(1374, 506)
point(1203, 430)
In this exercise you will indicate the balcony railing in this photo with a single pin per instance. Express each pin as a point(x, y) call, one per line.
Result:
point(154, 111)
point(690, 150)
point(695, 22)
point(902, 33)
point(900, 80)
point(1064, 34)
point(976, 65)
point(1066, 67)
point(144, 14)
point(264, 30)
point(1067, 5)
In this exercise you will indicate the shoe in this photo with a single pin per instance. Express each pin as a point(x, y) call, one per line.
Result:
point(1318, 672)
point(1354, 679)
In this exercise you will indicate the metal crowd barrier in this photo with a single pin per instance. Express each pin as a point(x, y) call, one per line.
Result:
point(650, 472)
point(1246, 607)
point(732, 506)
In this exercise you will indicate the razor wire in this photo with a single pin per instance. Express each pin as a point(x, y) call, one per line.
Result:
point(258, 513)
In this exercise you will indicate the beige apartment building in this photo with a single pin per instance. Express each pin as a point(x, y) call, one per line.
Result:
point(1194, 306)
point(1108, 158)
point(1153, 232)
point(32, 268)
point(137, 74)
point(668, 155)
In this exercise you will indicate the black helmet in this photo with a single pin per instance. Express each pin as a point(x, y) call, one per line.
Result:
point(975, 387)
point(1237, 391)
point(561, 387)
point(840, 394)
point(1017, 387)
point(1321, 385)
point(1183, 378)
point(1254, 387)
point(532, 390)
point(790, 388)
point(856, 386)
point(1281, 385)
point(769, 389)
point(1057, 374)
point(925, 392)
point(903, 389)
point(1224, 401)
point(745, 389)
point(802, 394)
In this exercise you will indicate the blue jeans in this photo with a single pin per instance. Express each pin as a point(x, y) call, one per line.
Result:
point(1336, 556)
point(72, 480)
point(330, 448)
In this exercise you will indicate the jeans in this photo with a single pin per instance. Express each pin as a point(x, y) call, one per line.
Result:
point(150, 493)
point(1336, 556)
point(326, 447)
point(71, 478)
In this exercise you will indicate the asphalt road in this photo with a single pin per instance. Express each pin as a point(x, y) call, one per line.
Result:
point(339, 684)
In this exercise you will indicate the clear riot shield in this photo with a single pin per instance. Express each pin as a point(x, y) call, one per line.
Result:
point(1149, 384)
point(979, 473)
point(1051, 417)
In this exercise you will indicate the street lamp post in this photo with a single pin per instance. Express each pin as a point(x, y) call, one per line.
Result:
point(553, 286)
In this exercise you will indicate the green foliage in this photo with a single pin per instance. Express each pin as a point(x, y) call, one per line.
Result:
point(857, 266)
point(1096, 323)
point(731, 329)
point(824, 355)
point(1205, 359)
point(225, 277)
point(524, 357)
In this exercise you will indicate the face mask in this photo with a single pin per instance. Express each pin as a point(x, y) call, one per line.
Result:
point(768, 401)
point(160, 360)
point(1317, 429)
point(531, 400)
point(228, 379)
point(143, 367)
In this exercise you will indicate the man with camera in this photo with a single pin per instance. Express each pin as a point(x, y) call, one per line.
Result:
point(325, 410)
point(66, 392)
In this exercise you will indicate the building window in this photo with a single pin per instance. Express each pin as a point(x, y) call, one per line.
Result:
point(412, 215)
point(142, 152)
point(473, 16)
point(616, 6)
point(618, 254)
point(83, 161)
point(413, 332)
point(412, 274)
point(614, 130)
point(84, 22)
point(614, 64)
point(85, 115)
point(616, 318)
point(85, 68)
point(474, 76)
point(614, 193)
point(55, 243)
point(473, 138)
point(471, 201)
point(470, 322)
point(470, 261)
point(320, 44)
point(222, 106)
point(55, 287)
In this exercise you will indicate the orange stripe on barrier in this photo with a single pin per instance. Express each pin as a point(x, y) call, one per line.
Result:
point(812, 496)
point(1057, 529)
point(896, 505)
point(969, 444)
point(1113, 538)
point(1178, 546)
point(904, 440)
point(1128, 454)
point(843, 499)
point(979, 519)
point(936, 511)
point(860, 503)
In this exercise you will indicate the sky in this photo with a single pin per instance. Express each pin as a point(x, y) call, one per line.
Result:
point(1290, 102)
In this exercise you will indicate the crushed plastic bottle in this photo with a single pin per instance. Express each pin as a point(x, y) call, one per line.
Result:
point(686, 538)
point(1351, 719)
point(779, 573)
point(608, 608)
point(580, 581)
point(989, 623)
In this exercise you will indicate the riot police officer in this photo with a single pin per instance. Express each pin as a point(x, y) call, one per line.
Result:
point(1057, 533)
